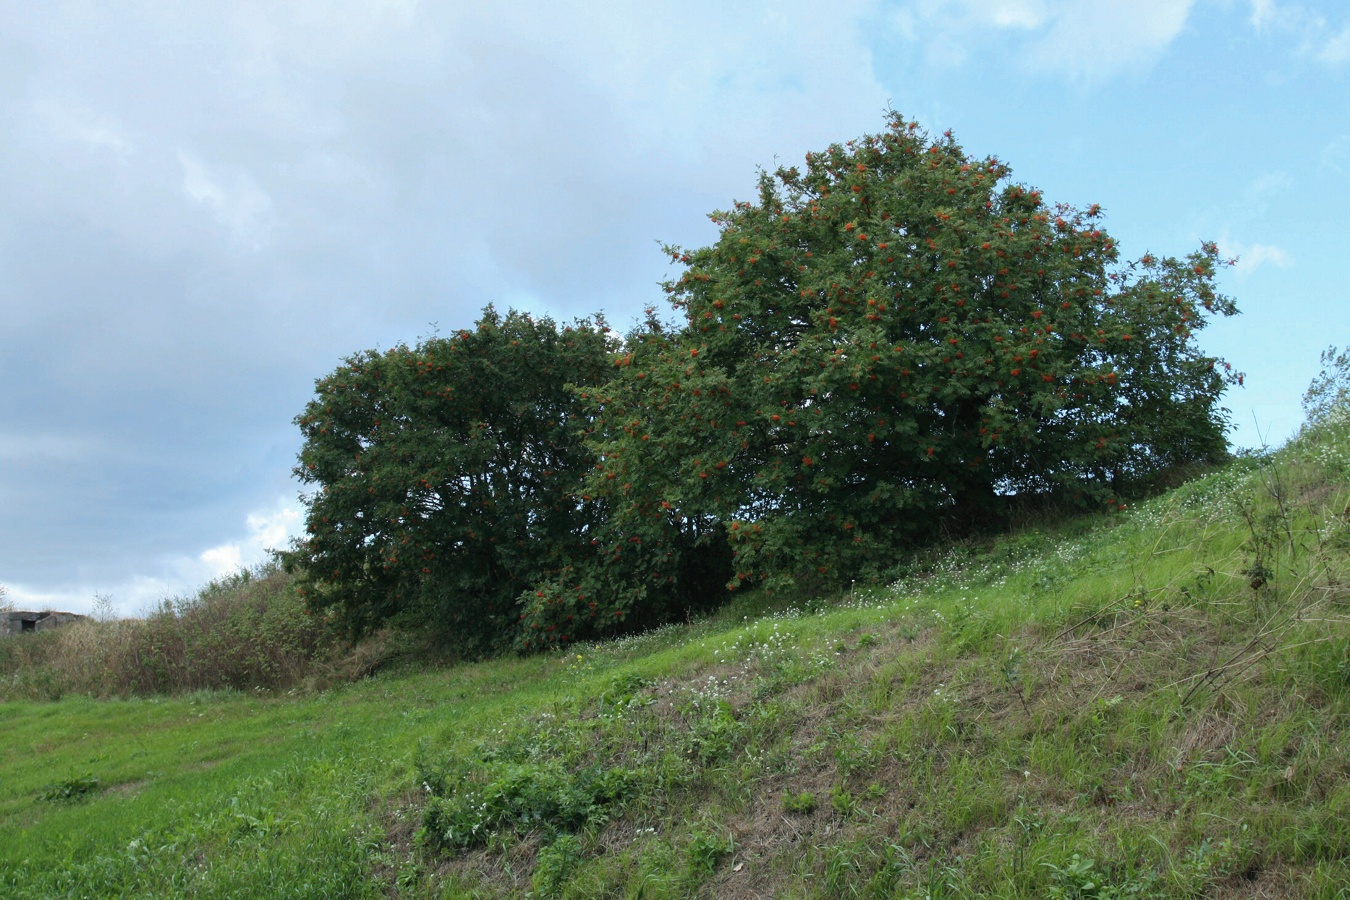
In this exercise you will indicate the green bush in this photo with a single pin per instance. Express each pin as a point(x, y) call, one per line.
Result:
point(72, 788)
point(1329, 394)
point(799, 804)
point(516, 798)
point(555, 864)
point(248, 631)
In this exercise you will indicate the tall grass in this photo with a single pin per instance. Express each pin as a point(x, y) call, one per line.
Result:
point(248, 631)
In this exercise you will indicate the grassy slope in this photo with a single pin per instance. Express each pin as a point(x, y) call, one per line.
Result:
point(1105, 708)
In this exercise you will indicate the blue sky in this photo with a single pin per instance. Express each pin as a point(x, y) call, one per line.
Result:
point(205, 208)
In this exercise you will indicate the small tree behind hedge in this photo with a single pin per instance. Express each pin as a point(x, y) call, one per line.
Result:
point(1327, 395)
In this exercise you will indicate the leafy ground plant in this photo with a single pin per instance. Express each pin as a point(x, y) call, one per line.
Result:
point(73, 788)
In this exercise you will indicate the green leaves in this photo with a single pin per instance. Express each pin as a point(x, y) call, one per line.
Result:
point(447, 477)
point(76, 787)
point(883, 346)
point(521, 798)
point(893, 338)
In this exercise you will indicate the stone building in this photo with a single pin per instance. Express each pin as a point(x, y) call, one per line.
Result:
point(23, 621)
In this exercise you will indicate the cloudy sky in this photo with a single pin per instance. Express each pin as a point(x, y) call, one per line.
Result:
point(205, 206)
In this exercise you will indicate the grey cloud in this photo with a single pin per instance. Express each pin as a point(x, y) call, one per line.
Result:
point(203, 208)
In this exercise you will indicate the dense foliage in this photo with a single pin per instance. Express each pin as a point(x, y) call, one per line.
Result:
point(248, 631)
point(888, 343)
point(447, 477)
point(896, 336)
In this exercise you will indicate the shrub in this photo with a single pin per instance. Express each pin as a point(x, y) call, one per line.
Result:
point(520, 799)
point(247, 631)
point(555, 864)
point(1329, 393)
point(75, 787)
point(799, 804)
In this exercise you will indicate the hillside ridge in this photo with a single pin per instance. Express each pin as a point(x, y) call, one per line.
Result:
point(1150, 703)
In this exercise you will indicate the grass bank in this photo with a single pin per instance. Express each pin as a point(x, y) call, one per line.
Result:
point(1150, 704)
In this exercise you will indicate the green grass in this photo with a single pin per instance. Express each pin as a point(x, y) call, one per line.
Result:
point(1151, 704)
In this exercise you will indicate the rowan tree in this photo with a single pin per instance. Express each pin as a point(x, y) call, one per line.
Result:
point(650, 562)
point(446, 478)
point(897, 335)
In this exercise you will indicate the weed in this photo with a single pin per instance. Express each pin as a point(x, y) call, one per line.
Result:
point(873, 791)
point(624, 692)
point(707, 846)
point(518, 799)
point(555, 864)
point(799, 804)
point(842, 801)
point(76, 787)
point(1209, 780)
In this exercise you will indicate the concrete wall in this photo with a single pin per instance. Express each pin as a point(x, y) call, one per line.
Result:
point(22, 621)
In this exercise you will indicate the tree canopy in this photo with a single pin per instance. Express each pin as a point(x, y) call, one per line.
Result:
point(891, 340)
point(447, 477)
point(896, 334)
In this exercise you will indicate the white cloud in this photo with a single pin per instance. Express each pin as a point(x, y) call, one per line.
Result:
point(1335, 156)
point(136, 597)
point(1269, 183)
point(1263, 13)
point(223, 560)
point(1092, 40)
point(967, 14)
point(1251, 257)
point(1261, 193)
point(1316, 36)
point(83, 126)
point(269, 529)
point(1014, 13)
point(1337, 49)
point(273, 529)
point(1084, 41)
point(26, 598)
point(243, 208)
point(20, 447)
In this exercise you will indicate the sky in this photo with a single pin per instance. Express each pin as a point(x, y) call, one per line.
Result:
point(205, 207)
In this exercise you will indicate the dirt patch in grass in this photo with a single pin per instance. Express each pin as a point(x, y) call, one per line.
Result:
point(129, 788)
